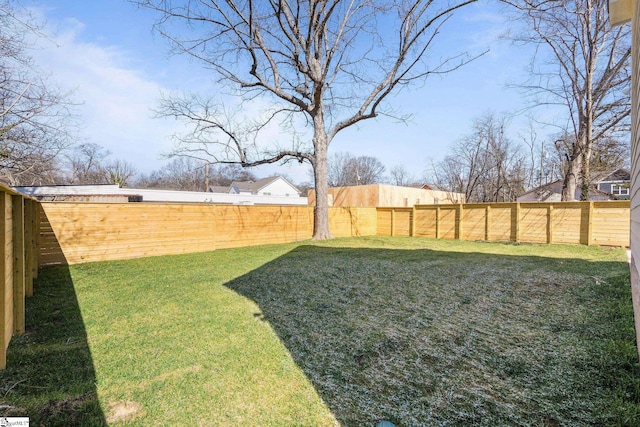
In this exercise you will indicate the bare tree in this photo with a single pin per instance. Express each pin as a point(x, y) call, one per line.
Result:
point(583, 65)
point(321, 66)
point(34, 116)
point(181, 173)
point(399, 175)
point(345, 169)
point(485, 165)
point(119, 172)
point(224, 175)
point(86, 164)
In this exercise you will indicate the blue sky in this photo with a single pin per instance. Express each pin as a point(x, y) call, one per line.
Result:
point(107, 53)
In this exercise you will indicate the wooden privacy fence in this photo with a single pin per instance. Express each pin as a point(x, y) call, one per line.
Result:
point(81, 232)
point(588, 223)
point(19, 262)
point(72, 233)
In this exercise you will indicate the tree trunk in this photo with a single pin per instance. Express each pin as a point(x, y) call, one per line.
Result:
point(571, 179)
point(321, 212)
point(587, 143)
point(585, 175)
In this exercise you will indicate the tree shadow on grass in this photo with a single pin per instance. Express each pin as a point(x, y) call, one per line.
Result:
point(422, 337)
point(50, 376)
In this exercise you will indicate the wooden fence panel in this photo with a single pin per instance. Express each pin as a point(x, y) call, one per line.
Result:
point(49, 250)
point(349, 222)
point(447, 222)
point(425, 221)
point(99, 232)
point(474, 222)
point(502, 223)
point(238, 226)
point(533, 224)
point(384, 222)
point(567, 222)
point(610, 223)
point(402, 221)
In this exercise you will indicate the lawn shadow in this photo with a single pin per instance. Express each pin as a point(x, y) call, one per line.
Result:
point(423, 337)
point(50, 375)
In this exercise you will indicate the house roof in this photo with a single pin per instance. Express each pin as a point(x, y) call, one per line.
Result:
point(218, 189)
point(552, 192)
point(617, 175)
point(254, 187)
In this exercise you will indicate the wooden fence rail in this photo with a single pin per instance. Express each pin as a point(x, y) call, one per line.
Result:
point(588, 223)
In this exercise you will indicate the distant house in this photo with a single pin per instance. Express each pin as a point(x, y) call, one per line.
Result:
point(612, 186)
point(552, 192)
point(616, 183)
point(273, 186)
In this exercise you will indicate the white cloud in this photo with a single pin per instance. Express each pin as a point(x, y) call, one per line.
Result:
point(115, 100)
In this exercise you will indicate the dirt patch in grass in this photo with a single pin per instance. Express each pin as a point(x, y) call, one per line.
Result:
point(123, 411)
point(68, 409)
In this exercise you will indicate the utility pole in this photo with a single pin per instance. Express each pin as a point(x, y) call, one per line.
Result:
point(206, 177)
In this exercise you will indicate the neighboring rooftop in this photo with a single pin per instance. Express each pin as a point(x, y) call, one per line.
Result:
point(552, 192)
point(272, 186)
point(110, 193)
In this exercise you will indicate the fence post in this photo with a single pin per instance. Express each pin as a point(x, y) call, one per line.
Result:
point(550, 223)
point(517, 230)
point(589, 223)
point(438, 222)
point(18, 263)
point(460, 213)
point(413, 222)
point(392, 220)
point(487, 222)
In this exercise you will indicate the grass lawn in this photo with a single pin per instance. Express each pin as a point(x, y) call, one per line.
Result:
point(346, 332)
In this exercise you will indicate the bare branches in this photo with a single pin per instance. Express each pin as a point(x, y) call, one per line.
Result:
point(485, 165)
point(582, 64)
point(35, 120)
point(316, 55)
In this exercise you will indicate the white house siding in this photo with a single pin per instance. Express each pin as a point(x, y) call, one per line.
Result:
point(279, 187)
point(635, 167)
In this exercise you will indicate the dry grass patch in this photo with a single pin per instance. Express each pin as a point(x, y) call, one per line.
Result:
point(123, 411)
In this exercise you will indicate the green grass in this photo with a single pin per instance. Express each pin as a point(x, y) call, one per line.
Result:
point(350, 331)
